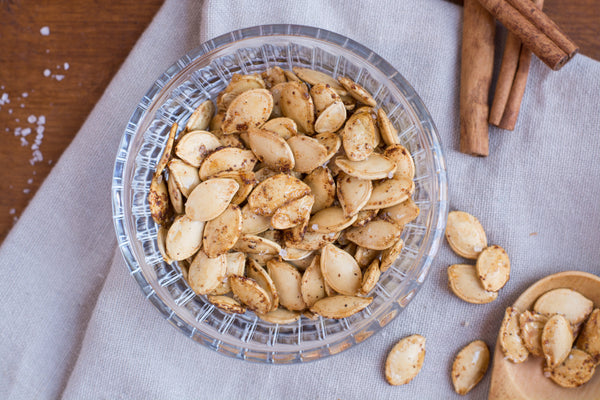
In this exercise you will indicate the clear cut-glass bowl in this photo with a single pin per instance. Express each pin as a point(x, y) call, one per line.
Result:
point(200, 75)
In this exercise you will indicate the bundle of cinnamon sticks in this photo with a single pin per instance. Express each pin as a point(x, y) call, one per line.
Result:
point(530, 30)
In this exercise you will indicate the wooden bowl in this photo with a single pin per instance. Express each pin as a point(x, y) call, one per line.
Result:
point(526, 381)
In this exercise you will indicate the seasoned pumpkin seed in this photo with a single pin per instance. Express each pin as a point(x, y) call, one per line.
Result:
point(589, 338)
point(227, 304)
point(222, 232)
point(401, 214)
point(249, 109)
point(465, 234)
point(332, 118)
point(493, 268)
point(246, 180)
point(329, 220)
point(570, 303)
point(376, 234)
point(258, 273)
point(271, 149)
point(280, 316)
point(465, 284)
point(370, 278)
point(210, 198)
point(313, 77)
point(322, 186)
point(158, 198)
point(309, 153)
point(312, 285)
point(531, 325)
point(577, 369)
point(166, 155)
point(227, 159)
point(273, 76)
point(340, 306)
point(331, 141)
point(357, 91)
point(200, 118)
point(297, 104)
point(353, 193)
point(195, 146)
point(236, 265)
point(293, 213)
point(323, 96)
point(161, 241)
point(185, 176)
point(358, 137)
point(557, 339)
point(389, 134)
point(470, 365)
point(274, 192)
point(206, 273)
point(374, 167)
point(184, 238)
point(175, 195)
point(405, 166)
point(340, 270)
point(250, 293)
point(390, 192)
point(405, 360)
point(364, 256)
point(284, 127)
point(253, 223)
point(365, 216)
point(391, 254)
point(510, 339)
point(253, 244)
point(287, 280)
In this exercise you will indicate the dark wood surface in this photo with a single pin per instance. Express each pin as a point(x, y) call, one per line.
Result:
point(87, 42)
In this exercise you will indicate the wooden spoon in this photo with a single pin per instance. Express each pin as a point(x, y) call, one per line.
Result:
point(526, 381)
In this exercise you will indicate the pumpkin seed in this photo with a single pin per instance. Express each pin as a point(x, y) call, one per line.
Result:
point(236, 265)
point(302, 263)
point(357, 91)
point(389, 134)
point(232, 140)
point(195, 146)
point(510, 340)
point(340, 306)
point(245, 179)
point(251, 108)
point(353, 193)
point(405, 360)
point(273, 76)
point(206, 273)
point(313, 77)
point(328, 220)
point(284, 127)
point(227, 304)
point(309, 240)
point(210, 198)
point(200, 118)
point(287, 280)
point(374, 167)
point(238, 85)
point(297, 104)
point(358, 137)
point(217, 121)
point(250, 293)
point(175, 195)
point(332, 143)
point(261, 259)
point(258, 273)
point(364, 256)
point(280, 316)
point(332, 118)
point(274, 192)
point(222, 232)
point(253, 223)
point(589, 338)
point(322, 187)
point(390, 192)
point(292, 213)
point(309, 153)
point(570, 303)
point(401, 214)
point(291, 77)
point(557, 339)
point(323, 96)
point(405, 166)
point(161, 241)
point(465, 284)
point(370, 278)
point(256, 245)
point(227, 159)
point(577, 369)
point(166, 155)
point(391, 254)
point(340, 270)
point(184, 238)
point(271, 149)
point(465, 234)
point(376, 234)
point(291, 254)
point(493, 268)
point(276, 93)
point(158, 198)
point(470, 365)
point(312, 284)
point(185, 176)
point(531, 325)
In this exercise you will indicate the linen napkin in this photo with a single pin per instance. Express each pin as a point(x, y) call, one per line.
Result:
point(75, 325)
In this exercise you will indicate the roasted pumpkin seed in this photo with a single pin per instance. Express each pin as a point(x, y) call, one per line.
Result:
point(589, 338)
point(250, 293)
point(297, 104)
point(287, 280)
point(374, 167)
point(222, 232)
point(284, 127)
point(309, 153)
point(200, 118)
point(470, 365)
point(405, 360)
point(391, 254)
point(210, 198)
point(166, 155)
point(322, 187)
point(258, 273)
point(390, 192)
point(329, 220)
point(274, 192)
point(510, 339)
point(340, 270)
point(493, 268)
point(280, 316)
point(340, 306)
point(205, 273)
point(227, 304)
point(389, 134)
point(577, 369)
point(570, 303)
point(185, 176)
point(370, 277)
point(465, 234)
point(465, 284)
point(405, 166)
point(358, 137)
point(271, 149)
point(357, 91)
point(251, 108)
point(353, 193)
point(158, 198)
point(253, 244)
point(175, 195)
point(376, 234)
point(313, 77)
point(227, 159)
point(312, 285)
point(292, 213)
point(557, 339)
point(195, 146)
point(184, 238)
point(531, 325)
point(323, 96)
point(332, 118)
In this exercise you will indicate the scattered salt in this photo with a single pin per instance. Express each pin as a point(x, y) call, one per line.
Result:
point(24, 142)
point(25, 132)
point(4, 99)
point(66, 66)
point(58, 77)
point(18, 131)
point(315, 227)
point(24, 94)
point(12, 211)
point(47, 72)
point(49, 162)
point(22, 105)
point(47, 51)
point(283, 253)
point(26, 191)
point(45, 31)
point(58, 67)
point(42, 119)
point(391, 175)
point(29, 181)
point(31, 119)
point(10, 110)
point(17, 120)
point(37, 156)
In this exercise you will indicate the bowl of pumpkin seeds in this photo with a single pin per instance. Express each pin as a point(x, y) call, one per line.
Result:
point(279, 194)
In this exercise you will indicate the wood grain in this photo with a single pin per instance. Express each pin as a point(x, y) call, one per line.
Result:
point(94, 38)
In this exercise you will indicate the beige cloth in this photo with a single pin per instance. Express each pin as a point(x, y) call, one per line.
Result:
point(75, 325)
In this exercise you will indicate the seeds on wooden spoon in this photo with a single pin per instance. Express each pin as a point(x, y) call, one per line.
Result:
point(570, 303)
point(510, 338)
point(577, 369)
point(531, 325)
point(589, 338)
point(557, 339)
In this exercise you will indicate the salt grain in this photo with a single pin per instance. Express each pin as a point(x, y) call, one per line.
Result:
point(4, 99)
point(25, 132)
point(10, 110)
point(29, 181)
point(26, 191)
point(66, 66)
point(58, 77)
point(31, 119)
point(45, 31)
point(12, 211)
point(24, 142)
point(24, 95)
point(22, 105)
point(47, 72)
point(42, 119)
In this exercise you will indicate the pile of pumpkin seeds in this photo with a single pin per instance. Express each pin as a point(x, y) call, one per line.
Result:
point(288, 198)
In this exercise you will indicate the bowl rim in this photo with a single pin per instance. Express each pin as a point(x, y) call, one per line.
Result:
point(436, 227)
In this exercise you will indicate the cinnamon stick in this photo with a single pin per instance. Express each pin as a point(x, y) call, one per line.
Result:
point(535, 29)
point(477, 62)
point(512, 81)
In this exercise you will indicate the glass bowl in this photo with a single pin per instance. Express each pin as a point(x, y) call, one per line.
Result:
point(200, 75)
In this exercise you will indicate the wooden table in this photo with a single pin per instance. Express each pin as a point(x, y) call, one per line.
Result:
point(58, 56)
